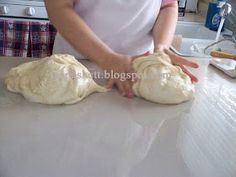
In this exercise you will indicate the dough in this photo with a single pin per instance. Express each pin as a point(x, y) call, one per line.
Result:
point(59, 79)
point(161, 82)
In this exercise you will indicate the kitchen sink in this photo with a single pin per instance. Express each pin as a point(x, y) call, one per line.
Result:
point(195, 37)
point(194, 30)
point(195, 47)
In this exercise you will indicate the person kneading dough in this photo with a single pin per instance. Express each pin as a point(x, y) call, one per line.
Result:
point(161, 82)
point(59, 79)
point(111, 33)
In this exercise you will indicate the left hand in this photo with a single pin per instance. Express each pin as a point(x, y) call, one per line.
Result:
point(179, 61)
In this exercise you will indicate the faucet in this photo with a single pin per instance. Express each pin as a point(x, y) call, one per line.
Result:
point(230, 20)
point(230, 24)
point(225, 9)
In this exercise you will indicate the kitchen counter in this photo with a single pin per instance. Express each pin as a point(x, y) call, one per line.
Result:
point(193, 17)
point(107, 135)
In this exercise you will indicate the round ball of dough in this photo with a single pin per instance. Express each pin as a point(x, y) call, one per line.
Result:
point(59, 79)
point(160, 81)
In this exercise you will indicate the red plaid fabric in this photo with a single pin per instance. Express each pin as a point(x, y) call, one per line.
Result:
point(24, 38)
point(14, 37)
point(42, 36)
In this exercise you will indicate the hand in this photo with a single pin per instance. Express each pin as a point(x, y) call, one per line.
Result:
point(121, 66)
point(180, 61)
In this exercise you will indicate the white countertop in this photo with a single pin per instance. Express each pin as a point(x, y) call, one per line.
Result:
point(193, 17)
point(107, 135)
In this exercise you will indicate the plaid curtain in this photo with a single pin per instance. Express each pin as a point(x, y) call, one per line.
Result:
point(26, 38)
point(14, 37)
point(42, 36)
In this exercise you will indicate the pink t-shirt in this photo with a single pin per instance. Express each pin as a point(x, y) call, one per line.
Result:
point(124, 25)
point(165, 2)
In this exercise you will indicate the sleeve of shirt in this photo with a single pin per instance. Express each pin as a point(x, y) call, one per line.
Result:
point(165, 2)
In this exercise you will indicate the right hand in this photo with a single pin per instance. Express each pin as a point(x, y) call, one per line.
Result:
point(122, 65)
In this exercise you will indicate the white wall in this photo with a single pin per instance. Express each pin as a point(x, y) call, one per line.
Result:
point(192, 5)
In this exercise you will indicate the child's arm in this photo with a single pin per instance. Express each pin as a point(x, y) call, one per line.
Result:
point(84, 40)
point(163, 33)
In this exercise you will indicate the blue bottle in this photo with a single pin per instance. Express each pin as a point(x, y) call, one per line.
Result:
point(213, 18)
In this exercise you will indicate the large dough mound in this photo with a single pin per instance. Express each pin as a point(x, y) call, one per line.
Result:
point(59, 79)
point(160, 81)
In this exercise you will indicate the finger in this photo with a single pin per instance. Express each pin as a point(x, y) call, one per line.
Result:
point(183, 61)
point(132, 76)
point(131, 93)
point(178, 60)
point(120, 88)
point(110, 84)
point(146, 53)
point(142, 55)
point(192, 77)
point(128, 88)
